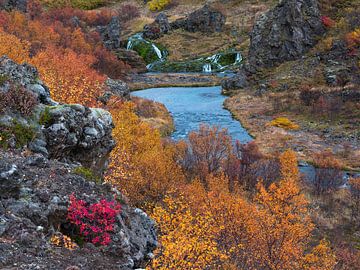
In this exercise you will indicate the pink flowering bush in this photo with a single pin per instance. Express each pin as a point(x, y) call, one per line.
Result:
point(94, 221)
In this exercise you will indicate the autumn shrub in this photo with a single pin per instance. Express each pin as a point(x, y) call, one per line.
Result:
point(94, 221)
point(285, 123)
point(13, 47)
point(142, 166)
point(353, 38)
point(69, 76)
point(355, 198)
point(328, 172)
point(18, 99)
point(327, 21)
point(128, 12)
point(157, 5)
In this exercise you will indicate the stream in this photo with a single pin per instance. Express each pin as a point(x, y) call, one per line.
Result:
point(191, 106)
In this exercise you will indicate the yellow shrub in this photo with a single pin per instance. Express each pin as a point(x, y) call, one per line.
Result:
point(157, 5)
point(285, 123)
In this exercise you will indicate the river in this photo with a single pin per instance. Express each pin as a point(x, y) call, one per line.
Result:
point(192, 106)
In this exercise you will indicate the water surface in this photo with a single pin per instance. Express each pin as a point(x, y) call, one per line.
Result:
point(191, 106)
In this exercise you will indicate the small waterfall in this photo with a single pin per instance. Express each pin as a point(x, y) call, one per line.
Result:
point(238, 58)
point(207, 68)
point(129, 45)
point(157, 51)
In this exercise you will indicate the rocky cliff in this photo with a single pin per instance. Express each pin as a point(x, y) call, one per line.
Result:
point(49, 151)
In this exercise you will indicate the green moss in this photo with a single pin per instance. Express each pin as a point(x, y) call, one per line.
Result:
point(146, 50)
point(87, 173)
point(23, 134)
point(227, 59)
point(45, 117)
point(3, 79)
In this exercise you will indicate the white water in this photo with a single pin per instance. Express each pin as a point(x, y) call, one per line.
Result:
point(207, 68)
point(238, 58)
point(157, 51)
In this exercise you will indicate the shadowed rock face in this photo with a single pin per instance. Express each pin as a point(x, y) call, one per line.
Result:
point(158, 28)
point(14, 4)
point(206, 20)
point(111, 33)
point(34, 197)
point(285, 33)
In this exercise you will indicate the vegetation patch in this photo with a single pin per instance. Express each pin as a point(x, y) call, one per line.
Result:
point(285, 123)
point(88, 174)
point(21, 133)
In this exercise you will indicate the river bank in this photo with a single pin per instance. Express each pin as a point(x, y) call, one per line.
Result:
point(156, 80)
point(255, 113)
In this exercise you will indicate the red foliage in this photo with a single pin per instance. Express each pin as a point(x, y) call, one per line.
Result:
point(94, 221)
point(128, 12)
point(327, 22)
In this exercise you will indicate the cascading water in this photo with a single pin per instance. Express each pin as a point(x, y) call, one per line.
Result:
point(207, 68)
point(157, 51)
point(129, 45)
point(238, 58)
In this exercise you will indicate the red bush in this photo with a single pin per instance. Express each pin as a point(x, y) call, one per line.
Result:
point(327, 22)
point(128, 12)
point(94, 221)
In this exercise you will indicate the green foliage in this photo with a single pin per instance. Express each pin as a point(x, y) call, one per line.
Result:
point(22, 134)
point(87, 173)
point(45, 117)
point(81, 4)
point(146, 51)
point(157, 5)
point(3, 79)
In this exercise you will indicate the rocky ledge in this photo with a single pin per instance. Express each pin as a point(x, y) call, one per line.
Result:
point(34, 193)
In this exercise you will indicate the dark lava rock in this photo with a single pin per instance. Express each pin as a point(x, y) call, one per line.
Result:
point(110, 34)
point(239, 81)
point(206, 20)
point(9, 5)
point(116, 88)
point(285, 33)
point(35, 208)
point(133, 59)
point(158, 28)
point(81, 134)
point(24, 75)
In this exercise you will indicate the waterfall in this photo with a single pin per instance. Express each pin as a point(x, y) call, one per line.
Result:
point(238, 58)
point(157, 51)
point(207, 68)
point(129, 45)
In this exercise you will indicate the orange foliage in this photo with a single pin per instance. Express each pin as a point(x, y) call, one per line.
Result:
point(13, 47)
point(69, 77)
point(141, 165)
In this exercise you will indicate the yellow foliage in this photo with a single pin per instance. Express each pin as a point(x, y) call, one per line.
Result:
point(63, 241)
point(13, 47)
point(141, 165)
point(157, 5)
point(187, 238)
point(285, 123)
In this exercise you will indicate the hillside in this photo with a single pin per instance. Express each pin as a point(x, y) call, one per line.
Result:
point(241, 151)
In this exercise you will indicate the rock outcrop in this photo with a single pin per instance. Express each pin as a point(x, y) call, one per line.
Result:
point(34, 193)
point(285, 33)
point(238, 81)
point(158, 28)
point(65, 132)
point(206, 20)
point(111, 34)
point(133, 59)
point(24, 75)
point(9, 5)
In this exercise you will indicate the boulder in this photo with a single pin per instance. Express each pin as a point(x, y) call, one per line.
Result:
point(158, 28)
point(110, 34)
point(24, 75)
point(116, 88)
point(285, 33)
point(206, 20)
point(239, 81)
point(9, 5)
point(80, 134)
point(133, 59)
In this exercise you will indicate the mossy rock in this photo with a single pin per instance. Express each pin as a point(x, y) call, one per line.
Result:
point(146, 50)
point(183, 66)
point(3, 79)
point(88, 174)
point(23, 134)
point(45, 117)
